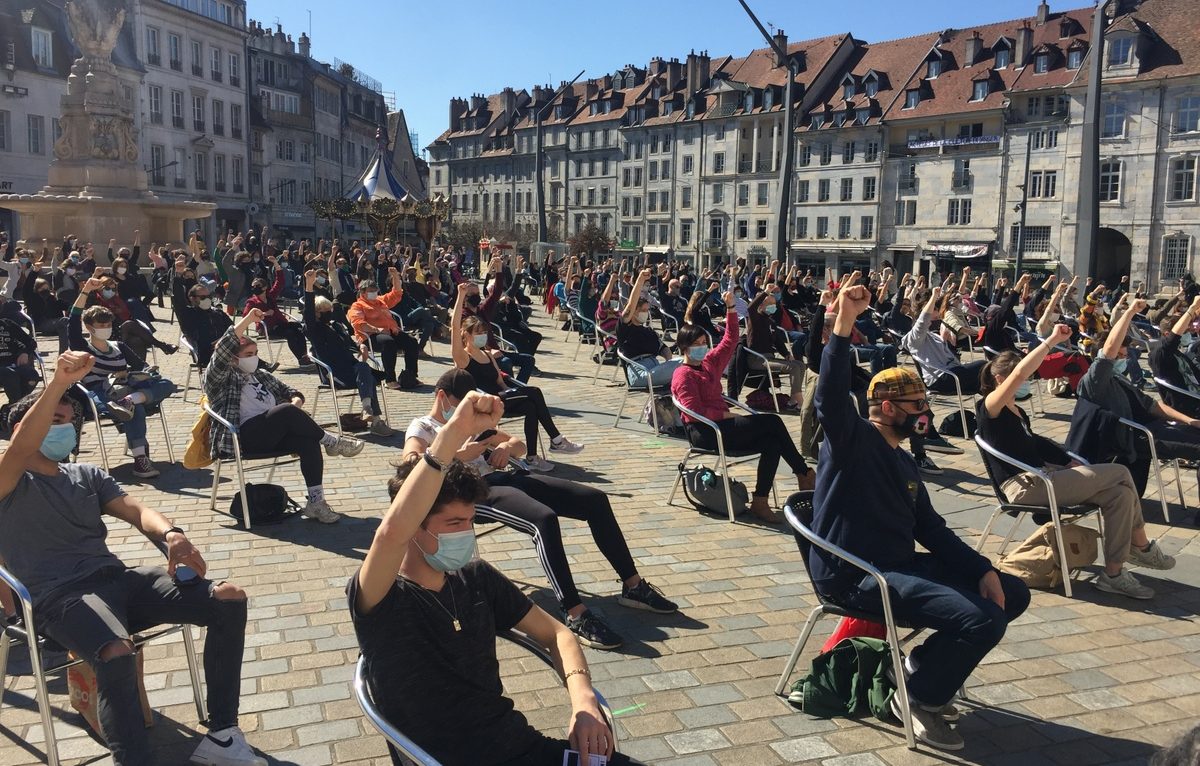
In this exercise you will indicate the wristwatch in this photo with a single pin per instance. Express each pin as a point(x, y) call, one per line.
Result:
point(173, 529)
point(434, 463)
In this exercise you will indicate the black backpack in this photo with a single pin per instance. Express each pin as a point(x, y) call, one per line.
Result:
point(951, 425)
point(704, 489)
point(269, 504)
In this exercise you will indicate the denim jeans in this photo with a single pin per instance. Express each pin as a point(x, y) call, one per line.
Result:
point(366, 380)
point(660, 373)
point(925, 594)
point(17, 380)
point(882, 356)
point(522, 363)
point(423, 320)
point(135, 429)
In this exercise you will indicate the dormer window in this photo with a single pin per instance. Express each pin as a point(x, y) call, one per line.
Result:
point(691, 109)
point(980, 90)
point(848, 90)
point(749, 101)
point(768, 98)
point(594, 107)
point(935, 68)
point(1075, 58)
point(1120, 51)
point(863, 115)
point(817, 121)
point(872, 89)
point(911, 99)
point(656, 92)
point(1003, 58)
point(839, 119)
point(1041, 63)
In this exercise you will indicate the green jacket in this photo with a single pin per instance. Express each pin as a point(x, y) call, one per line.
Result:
point(848, 681)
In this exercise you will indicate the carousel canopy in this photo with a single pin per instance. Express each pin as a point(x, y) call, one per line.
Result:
point(377, 181)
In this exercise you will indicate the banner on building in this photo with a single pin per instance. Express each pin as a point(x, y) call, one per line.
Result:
point(957, 251)
point(935, 143)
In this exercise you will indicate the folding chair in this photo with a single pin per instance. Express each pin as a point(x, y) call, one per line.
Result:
point(1018, 511)
point(22, 630)
point(193, 366)
point(799, 514)
point(239, 461)
point(86, 395)
point(722, 455)
point(327, 382)
point(602, 339)
point(1156, 467)
point(630, 364)
point(503, 343)
point(962, 410)
point(572, 307)
point(766, 374)
point(414, 753)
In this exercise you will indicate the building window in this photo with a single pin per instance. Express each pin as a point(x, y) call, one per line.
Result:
point(1043, 183)
point(979, 90)
point(802, 228)
point(802, 191)
point(743, 228)
point(743, 194)
point(847, 190)
point(716, 230)
point(866, 227)
point(42, 47)
point(180, 160)
point(201, 169)
point(719, 162)
point(826, 153)
point(1110, 182)
point(175, 49)
point(906, 212)
point(823, 190)
point(218, 118)
point(235, 120)
point(1002, 58)
point(959, 212)
point(1183, 179)
point(153, 54)
point(763, 194)
point(1036, 240)
point(5, 131)
point(156, 112)
point(1074, 58)
point(1041, 63)
point(822, 227)
point(1175, 257)
point(849, 149)
point(198, 113)
point(761, 228)
point(1187, 116)
point(687, 164)
point(871, 154)
point(685, 198)
point(805, 155)
point(37, 134)
point(214, 68)
point(912, 99)
point(872, 88)
point(868, 188)
point(235, 69)
point(158, 158)
point(718, 193)
point(1114, 120)
point(934, 69)
point(1120, 51)
point(219, 174)
point(844, 227)
point(236, 170)
point(197, 58)
point(685, 233)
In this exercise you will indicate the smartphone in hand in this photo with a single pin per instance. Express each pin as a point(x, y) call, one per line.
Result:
point(571, 758)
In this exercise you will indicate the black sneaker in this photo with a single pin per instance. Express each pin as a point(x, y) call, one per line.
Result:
point(591, 631)
point(646, 596)
point(928, 467)
point(938, 443)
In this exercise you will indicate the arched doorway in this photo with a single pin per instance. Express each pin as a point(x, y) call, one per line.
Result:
point(1114, 254)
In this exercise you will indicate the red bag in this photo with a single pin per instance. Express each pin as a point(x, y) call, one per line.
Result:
point(852, 627)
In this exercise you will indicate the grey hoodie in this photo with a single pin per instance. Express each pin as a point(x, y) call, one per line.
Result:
point(928, 348)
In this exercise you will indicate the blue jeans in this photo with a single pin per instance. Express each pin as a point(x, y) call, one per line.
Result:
point(423, 320)
point(925, 594)
point(366, 380)
point(135, 429)
point(660, 372)
point(1133, 368)
point(869, 329)
point(523, 363)
point(881, 355)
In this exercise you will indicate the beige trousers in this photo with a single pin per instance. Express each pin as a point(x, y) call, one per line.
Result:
point(1108, 485)
point(792, 368)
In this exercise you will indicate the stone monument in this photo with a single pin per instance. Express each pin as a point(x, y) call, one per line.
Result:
point(97, 188)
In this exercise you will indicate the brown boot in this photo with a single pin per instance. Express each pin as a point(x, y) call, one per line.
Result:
point(761, 510)
point(807, 480)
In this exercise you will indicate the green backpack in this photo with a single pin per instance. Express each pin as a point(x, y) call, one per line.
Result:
point(848, 681)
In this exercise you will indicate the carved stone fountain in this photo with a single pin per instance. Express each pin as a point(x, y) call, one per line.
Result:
point(97, 188)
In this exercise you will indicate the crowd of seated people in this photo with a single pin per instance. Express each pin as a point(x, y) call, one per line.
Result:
point(422, 600)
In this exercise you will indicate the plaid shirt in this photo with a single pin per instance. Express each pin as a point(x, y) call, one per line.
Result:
point(223, 382)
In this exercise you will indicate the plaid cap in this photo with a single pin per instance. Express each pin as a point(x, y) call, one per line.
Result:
point(895, 383)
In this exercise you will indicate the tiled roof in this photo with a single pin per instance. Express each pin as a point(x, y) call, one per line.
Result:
point(1173, 27)
point(1047, 37)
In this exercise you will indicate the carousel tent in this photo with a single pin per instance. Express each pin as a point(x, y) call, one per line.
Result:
point(378, 181)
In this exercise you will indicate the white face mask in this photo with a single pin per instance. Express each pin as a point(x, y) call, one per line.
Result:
point(101, 333)
point(205, 303)
point(643, 317)
point(248, 364)
point(372, 295)
point(121, 271)
point(480, 341)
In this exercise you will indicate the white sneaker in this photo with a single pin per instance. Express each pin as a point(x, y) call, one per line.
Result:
point(320, 511)
point(566, 445)
point(227, 747)
point(929, 727)
point(380, 427)
point(1151, 558)
point(345, 446)
point(1124, 584)
point(539, 464)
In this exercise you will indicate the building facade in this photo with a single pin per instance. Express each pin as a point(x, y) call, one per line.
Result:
point(930, 152)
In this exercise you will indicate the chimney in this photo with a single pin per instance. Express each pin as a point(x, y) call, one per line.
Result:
point(606, 82)
point(656, 66)
point(1024, 44)
point(589, 90)
point(457, 107)
point(781, 43)
point(537, 95)
point(1043, 12)
point(974, 47)
point(697, 72)
point(674, 73)
point(305, 46)
point(478, 101)
point(508, 98)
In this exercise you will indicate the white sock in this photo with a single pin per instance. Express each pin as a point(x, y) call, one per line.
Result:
point(316, 494)
point(137, 451)
point(558, 439)
point(328, 439)
point(137, 397)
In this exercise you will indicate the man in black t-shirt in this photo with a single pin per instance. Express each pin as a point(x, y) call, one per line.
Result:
point(428, 636)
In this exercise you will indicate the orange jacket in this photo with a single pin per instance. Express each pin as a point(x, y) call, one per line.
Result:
point(376, 313)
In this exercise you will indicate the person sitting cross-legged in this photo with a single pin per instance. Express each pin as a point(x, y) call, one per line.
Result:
point(52, 538)
point(371, 317)
point(1005, 426)
point(264, 296)
point(268, 414)
point(533, 504)
point(427, 614)
point(18, 375)
point(870, 501)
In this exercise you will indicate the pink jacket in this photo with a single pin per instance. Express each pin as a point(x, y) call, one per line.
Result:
point(699, 388)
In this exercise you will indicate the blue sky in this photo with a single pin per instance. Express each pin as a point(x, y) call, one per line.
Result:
point(427, 52)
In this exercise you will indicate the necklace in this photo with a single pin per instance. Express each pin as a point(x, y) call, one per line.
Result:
point(453, 605)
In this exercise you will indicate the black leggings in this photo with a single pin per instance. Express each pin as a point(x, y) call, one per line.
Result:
point(530, 402)
point(293, 333)
point(286, 427)
point(747, 434)
point(389, 345)
point(1171, 441)
point(532, 504)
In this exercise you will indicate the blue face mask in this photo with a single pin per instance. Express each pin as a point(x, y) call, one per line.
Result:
point(1119, 365)
point(448, 413)
point(108, 293)
point(59, 441)
point(455, 551)
point(697, 353)
point(1024, 391)
point(769, 310)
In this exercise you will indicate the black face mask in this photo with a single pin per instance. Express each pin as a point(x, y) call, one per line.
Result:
point(327, 317)
point(473, 300)
point(259, 290)
point(914, 424)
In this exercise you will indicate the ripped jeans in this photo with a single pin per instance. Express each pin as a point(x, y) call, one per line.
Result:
point(113, 604)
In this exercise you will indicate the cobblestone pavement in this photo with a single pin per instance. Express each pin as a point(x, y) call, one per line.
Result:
point(1089, 680)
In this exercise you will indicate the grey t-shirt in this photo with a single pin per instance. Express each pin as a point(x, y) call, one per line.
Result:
point(51, 530)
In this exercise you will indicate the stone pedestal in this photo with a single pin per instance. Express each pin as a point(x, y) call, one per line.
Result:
point(97, 219)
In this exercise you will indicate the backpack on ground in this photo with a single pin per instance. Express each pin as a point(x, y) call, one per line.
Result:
point(848, 681)
point(704, 488)
point(951, 425)
point(1036, 563)
point(762, 400)
point(269, 504)
point(670, 422)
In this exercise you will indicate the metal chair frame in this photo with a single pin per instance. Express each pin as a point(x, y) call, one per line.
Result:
point(162, 415)
point(411, 750)
point(13, 632)
point(766, 373)
point(239, 461)
point(332, 387)
point(601, 337)
point(623, 359)
point(1156, 467)
point(193, 367)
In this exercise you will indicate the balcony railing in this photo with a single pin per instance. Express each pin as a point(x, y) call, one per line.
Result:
point(158, 180)
point(198, 125)
point(156, 118)
point(216, 76)
point(201, 183)
point(219, 186)
point(714, 244)
point(154, 58)
point(235, 132)
point(961, 181)
point(235, 81)
point(177, 121)
point(218, 130)
point(177, 65)
point(238, 189)
point(197, 70)
point(907, 185)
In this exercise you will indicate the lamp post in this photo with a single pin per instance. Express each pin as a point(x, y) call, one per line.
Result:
point(539, 172)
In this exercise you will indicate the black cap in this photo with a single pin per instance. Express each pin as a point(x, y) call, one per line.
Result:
point(458, 383)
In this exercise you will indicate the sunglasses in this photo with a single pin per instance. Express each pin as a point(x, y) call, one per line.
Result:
point(922, 404)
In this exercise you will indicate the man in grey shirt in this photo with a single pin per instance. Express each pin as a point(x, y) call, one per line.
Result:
point(52, 538)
